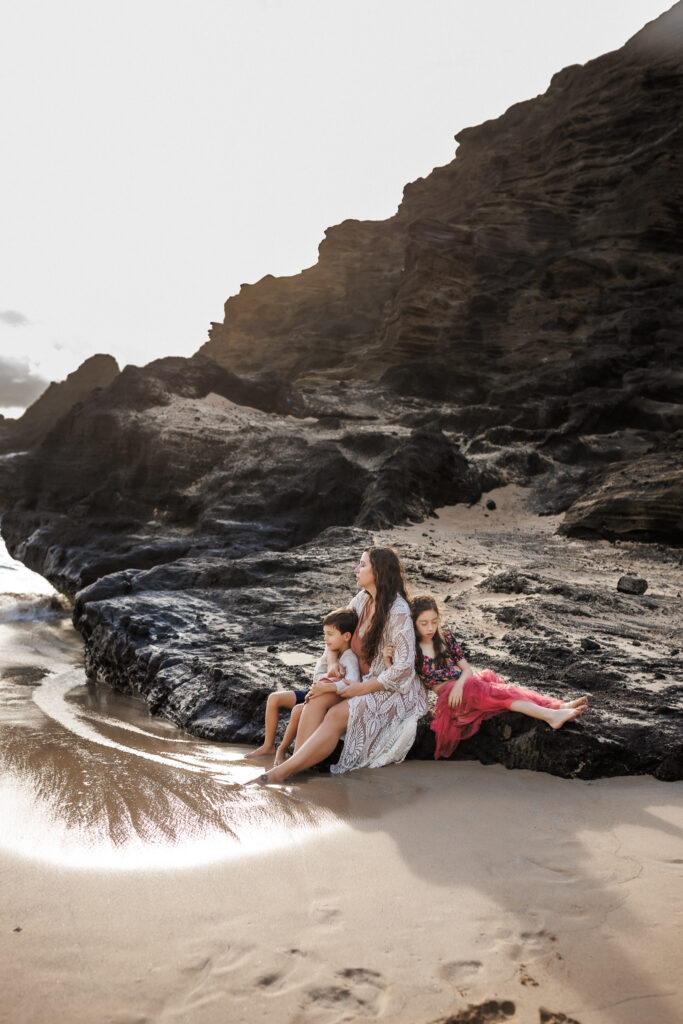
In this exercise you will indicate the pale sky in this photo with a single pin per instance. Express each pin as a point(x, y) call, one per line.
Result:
point(158, 153)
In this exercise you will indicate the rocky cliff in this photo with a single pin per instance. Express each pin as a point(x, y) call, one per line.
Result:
point(548, 252)
point(40, 417)
point(533, 284)
point(515, 325)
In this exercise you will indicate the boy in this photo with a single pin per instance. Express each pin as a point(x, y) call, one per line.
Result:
point(338, 627)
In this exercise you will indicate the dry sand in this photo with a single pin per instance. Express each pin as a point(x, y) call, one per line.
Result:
point(438, 886)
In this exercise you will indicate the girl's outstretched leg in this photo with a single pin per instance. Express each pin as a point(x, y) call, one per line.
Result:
point(555, 717)
point(316, 748)
point(277, 700)
point(290, 733)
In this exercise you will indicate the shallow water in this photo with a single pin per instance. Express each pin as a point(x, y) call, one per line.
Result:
point(89, 778)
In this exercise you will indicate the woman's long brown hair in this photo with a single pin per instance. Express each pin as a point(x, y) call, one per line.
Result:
point(426, 603)
point(390, 582)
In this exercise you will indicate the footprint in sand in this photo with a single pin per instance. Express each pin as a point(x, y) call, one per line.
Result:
point(530, 944)
point(287, 973)
point(201, 983)
point(355, 994)
point(533, 945)
point(461, 973)
point(325, 912)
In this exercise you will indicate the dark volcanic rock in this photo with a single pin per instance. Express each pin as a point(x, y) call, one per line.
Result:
point(200, 639)
point(632, 585)
point(425, 472)
point(640, 500)
point(40, 417)
point(544, 262)
point(159, 382)
point(164, 464)
point(534, 285)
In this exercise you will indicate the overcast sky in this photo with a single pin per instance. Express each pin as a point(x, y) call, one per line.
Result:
point(158, 153)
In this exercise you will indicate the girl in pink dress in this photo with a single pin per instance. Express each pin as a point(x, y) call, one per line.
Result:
point(465, 698)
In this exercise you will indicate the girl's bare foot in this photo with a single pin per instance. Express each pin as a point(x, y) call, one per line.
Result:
point(562, 715)
point(261, 751)
point(580, 702)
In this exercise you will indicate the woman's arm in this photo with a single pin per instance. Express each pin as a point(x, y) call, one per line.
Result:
point(321, 686)
point(360, 689)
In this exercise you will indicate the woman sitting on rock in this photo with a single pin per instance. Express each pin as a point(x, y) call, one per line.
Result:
point(377, 716)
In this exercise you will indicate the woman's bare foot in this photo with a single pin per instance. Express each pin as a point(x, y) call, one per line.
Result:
point(280, 757)
point(580, 702)
point(562, 715)
point(267, 777)
point(261, 751)
point(260, 780)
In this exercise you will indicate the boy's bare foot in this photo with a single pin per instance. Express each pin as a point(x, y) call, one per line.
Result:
point(580, 702)
point(562, 715)
point(261, 751)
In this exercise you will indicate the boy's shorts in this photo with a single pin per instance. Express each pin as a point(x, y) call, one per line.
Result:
point(300, 696)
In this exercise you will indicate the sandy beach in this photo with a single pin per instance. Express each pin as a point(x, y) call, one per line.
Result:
point(428, 890)
point(142, 883)
point(287, 284)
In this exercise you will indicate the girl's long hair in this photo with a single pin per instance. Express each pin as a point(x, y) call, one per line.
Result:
point(427, 603)
point(390, 582)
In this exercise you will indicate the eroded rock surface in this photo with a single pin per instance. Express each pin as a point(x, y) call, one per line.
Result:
point(56, 401)
point(533, 285)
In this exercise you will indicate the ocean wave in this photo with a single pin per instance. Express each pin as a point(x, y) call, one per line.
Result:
point(33, 607)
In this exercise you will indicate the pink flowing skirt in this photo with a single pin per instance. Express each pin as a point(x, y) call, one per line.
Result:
point(484, 696)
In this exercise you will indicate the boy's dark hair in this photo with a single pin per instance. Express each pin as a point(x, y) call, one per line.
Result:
point(343, 619)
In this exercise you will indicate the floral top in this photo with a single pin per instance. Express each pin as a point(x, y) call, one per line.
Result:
point(432, 676)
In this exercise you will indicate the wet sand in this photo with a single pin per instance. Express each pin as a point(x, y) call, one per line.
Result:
point(141, 883)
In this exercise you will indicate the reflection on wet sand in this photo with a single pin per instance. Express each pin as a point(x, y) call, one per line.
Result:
point(88, 778)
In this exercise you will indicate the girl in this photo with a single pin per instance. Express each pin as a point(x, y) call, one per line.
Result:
point(378, 715)
point(465, 698)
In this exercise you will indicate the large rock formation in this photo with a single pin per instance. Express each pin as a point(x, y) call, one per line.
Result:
point(516, 322)
point(548, 252)
point(40, 417)
point(535, 283)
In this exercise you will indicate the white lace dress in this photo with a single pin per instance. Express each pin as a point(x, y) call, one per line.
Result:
point(381, 727)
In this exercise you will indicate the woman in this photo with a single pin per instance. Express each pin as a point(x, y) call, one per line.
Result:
point(379, 714)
